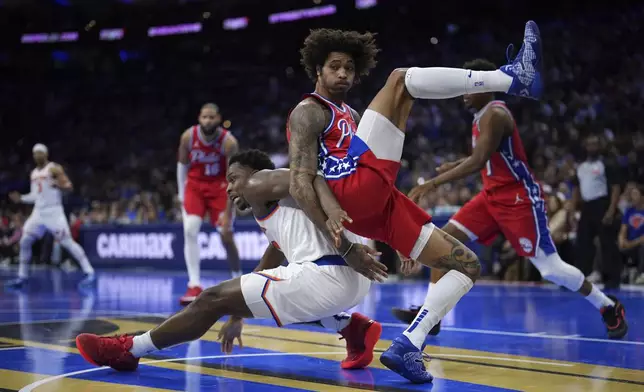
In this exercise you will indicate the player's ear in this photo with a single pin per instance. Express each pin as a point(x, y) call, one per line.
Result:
point(318, 70)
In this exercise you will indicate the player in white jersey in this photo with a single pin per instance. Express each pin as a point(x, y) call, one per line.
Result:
point(48, 180)
point(315, 286)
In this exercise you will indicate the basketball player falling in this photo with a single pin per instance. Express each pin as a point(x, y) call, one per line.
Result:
point(48, 181)
point(361, 168)
point(314, 286)
point(511, 203)
point(204, 151)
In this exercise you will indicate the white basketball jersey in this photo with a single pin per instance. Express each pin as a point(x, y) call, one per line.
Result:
point(42, 185)
point(290, 230)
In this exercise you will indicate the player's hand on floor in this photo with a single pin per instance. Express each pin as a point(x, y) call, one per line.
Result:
point(363, 259)
point(335, 225)
point(418, 192)
point(231, 329)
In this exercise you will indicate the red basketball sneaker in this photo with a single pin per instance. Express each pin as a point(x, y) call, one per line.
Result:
point(107, 351)
point(191, 294)
point(361, 335)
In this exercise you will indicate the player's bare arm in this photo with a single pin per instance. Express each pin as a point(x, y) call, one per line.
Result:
point(336, 215)
point(495, 125)
point(307, 122)
point(230, 148)
point(272, 258)
point(60, 178)
point(183, 162)
point(267, 186)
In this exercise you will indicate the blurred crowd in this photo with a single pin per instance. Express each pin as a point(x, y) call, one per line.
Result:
point(114, 121)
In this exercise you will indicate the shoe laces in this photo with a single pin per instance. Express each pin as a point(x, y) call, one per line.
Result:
point(111, 342)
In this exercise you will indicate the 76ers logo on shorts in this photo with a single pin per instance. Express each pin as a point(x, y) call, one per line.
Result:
point(526, 244)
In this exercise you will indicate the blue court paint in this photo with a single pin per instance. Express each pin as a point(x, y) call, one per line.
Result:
point(491, 318)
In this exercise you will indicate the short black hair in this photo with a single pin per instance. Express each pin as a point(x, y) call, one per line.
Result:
point(255, 159)
point(319, 43)
point(480, 65)
point(210, 105)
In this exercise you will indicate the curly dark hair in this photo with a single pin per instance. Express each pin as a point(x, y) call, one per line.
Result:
point(480, 65)
point(255, 159)
point(319, 43)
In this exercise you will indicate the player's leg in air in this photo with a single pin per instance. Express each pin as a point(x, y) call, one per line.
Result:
point(381, 133)
point(287, 294)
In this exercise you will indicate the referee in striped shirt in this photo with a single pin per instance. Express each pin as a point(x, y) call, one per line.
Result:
point(598, 189)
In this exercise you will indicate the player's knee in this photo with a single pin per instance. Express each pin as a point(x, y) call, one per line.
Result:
point(557, 271)
point(191, 226)
point(396, 79)
point(26, 241)
point(212, 300)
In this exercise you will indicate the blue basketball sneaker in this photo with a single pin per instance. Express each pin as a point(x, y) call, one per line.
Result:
point(526, 68)
point(405, 359)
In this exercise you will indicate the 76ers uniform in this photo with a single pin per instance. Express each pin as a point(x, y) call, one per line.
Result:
point(48, 213)
point(361, 170)
point(206, 184)
point(315, 284)
point(511, 201)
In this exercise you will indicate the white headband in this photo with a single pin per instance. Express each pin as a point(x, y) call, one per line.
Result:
point(40, 148)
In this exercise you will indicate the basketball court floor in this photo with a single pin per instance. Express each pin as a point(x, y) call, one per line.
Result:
point(499, 338)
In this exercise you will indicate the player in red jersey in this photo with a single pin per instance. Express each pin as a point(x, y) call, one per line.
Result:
point(512, 201)
point(360, 159)
point(204, 150)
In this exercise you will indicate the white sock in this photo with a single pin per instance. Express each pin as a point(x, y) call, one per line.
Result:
point(142, 345)
point(191, 254)
point(337, 322)
point(599, 299)
point(79, 254)
point(443, 83)
point(439, 300)
point(23, 269)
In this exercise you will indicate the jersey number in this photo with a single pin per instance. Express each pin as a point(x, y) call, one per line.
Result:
point(212, 169)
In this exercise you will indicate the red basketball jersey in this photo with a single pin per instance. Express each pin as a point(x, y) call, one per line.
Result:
point(334, 142)
point(508, 165)
point(208, 162)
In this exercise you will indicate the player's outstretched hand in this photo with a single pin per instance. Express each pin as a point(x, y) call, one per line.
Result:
point(363, 259)
point(335, 225)
point(229, 331)
point(419, 191)
point(14, 196)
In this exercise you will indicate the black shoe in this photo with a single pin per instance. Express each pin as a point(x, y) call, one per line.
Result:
point(615, 319)
point(408, 315)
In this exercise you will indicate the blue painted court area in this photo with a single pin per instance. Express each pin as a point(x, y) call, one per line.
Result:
point(499, 337)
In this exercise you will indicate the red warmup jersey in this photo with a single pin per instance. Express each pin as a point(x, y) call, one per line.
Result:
point(208, 162)
point(335, 140)
point(508, 167)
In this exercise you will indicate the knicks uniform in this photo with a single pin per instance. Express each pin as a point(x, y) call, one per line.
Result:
point(315, 284)
point(48, 213)
point(361, 170)
point(511, 201)
point(206, 185)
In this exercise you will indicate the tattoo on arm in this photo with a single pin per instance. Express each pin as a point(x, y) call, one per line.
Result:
point(459, 258)
point(306, 123)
